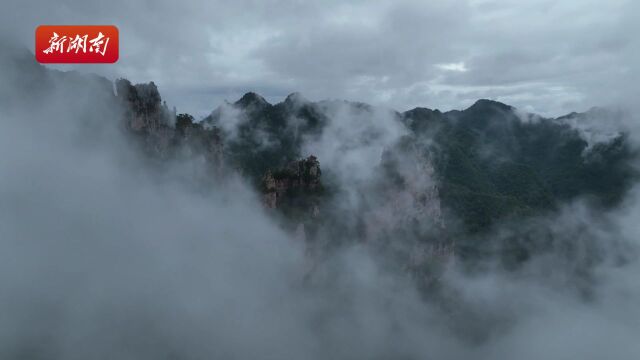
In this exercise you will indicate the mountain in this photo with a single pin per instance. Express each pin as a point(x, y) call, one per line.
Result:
point(469, 169)
point(490, 160)
point(341, 172)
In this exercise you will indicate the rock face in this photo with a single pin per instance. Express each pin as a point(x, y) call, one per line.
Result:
point(270, 197)
point(417, 198)
point(146, 116)
point(207, 142)
point(291, 185)
point(296, 192)
point(407, 194)
point(143, 105)
point(424, 253)
point(162, 132)
point(407, 208)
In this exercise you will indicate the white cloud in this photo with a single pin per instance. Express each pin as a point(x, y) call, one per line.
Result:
point(202, 52)
point(456, 66)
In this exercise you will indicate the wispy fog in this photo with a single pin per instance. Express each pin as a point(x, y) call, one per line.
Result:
point(105, 256)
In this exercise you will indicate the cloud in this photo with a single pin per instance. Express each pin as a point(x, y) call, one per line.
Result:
point(456, 66)
point(551, 57)
point(103, 256)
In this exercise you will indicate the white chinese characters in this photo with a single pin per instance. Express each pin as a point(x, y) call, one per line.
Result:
point(78, 43)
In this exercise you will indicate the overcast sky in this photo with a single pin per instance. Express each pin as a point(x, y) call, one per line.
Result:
point(544, 56)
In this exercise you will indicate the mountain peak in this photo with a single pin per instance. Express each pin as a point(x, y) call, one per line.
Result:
point(486, 104)
point(421, 111)
point(295, 98)
point(596, 113)
point(251, 99)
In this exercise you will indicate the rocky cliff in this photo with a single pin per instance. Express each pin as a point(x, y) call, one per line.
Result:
point(289, 184)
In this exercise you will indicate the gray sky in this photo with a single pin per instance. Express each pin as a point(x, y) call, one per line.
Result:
point(545, 56)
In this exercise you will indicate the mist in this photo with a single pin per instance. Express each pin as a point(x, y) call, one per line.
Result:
point(105, 255)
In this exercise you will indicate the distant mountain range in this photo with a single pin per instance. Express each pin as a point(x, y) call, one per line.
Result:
point(490, 160)
point(433, 175)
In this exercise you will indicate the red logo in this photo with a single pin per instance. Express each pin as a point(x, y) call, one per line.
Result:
point(76, 44)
